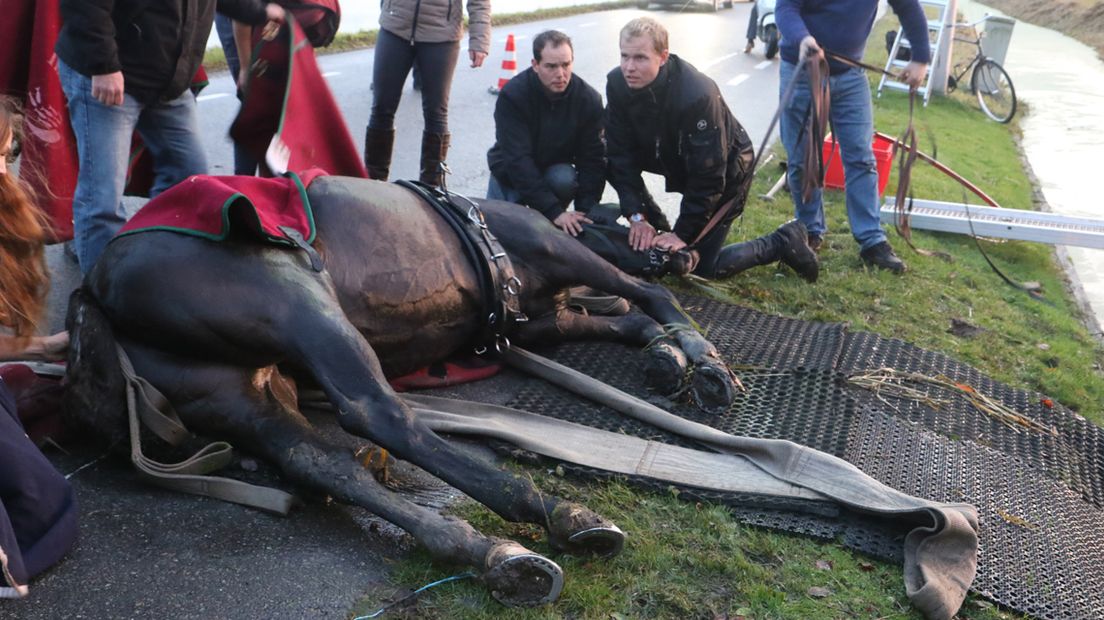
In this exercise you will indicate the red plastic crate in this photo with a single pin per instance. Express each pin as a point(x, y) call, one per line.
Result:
point(883, 155)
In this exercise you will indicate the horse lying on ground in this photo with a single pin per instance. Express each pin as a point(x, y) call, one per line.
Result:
point(218, 327)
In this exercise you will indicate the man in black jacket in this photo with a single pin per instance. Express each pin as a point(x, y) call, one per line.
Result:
point(126, 65)
point(548, 138)
point(666, 117)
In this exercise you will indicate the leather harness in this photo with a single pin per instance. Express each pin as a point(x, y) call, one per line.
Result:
point(499, 286)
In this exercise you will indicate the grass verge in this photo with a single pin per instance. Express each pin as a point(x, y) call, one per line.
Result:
point(689, 560)
point(215, 60)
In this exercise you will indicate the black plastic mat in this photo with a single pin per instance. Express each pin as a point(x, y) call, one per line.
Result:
point(1039, 497)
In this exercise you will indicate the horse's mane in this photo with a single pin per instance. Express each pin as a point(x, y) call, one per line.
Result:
point(24, 279)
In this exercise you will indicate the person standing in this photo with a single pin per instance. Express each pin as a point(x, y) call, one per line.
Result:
point(842, 27)
point(425, 33)
point(126, 65)
point(548, 147)
point(665, 116)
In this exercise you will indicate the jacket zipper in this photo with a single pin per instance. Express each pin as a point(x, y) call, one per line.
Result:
point(414, 24)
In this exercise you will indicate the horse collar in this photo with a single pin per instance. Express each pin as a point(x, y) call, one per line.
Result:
point(499, 286)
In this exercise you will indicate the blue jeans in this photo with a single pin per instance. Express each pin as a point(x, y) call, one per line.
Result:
point(244, 162)
point(852, 120)
point(169, 130)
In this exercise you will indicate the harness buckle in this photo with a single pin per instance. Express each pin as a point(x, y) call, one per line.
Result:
point(512, 286)
point(476, 216)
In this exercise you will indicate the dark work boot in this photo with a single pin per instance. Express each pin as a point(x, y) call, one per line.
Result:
point(435, 148)
point(883, 257)
point(788, 244)
point(795, 250)
point(377, 152)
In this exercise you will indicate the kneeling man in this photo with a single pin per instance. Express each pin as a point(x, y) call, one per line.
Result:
point(548, 147)
point(666, 117)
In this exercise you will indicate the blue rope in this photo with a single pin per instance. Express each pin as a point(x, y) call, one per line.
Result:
point(415, 593)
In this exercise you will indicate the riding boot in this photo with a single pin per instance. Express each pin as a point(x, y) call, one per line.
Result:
point(434, 149)
point(789, 244)
point(377, 152)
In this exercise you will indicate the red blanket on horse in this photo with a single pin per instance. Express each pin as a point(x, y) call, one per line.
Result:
point(212, 207)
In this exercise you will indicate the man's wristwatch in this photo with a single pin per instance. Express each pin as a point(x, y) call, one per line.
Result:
point(637, 217)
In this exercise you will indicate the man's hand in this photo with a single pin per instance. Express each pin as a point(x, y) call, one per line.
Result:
point(914, 74)
point(641, 236)
point(477, 58)
point(275, 13)
point(571, 222)
point(808, 49)
point(108, 88)
point(669, 241)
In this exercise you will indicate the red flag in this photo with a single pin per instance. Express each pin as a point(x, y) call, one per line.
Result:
point(28, 71)
point(289, 118)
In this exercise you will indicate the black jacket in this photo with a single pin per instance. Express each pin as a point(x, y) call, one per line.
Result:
point(534, 131)
point(157, 44)
point(680, 127)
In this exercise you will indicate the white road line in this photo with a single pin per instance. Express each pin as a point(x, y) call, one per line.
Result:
point(212, 96)
point(331, 73)
point(764, 65)
point(718, 61)
point(739, 79)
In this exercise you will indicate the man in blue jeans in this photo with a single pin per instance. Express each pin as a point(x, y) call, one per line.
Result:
point(126, 65)
point(842, 27)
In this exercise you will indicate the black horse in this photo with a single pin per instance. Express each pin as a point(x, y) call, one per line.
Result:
point(217, 327)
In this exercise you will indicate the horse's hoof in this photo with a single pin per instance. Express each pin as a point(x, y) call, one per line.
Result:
point(665, 369)
point(713, 388)
point(518, 577)
point(578, 530)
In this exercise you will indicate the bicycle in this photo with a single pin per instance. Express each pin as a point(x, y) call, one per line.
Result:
point(989, 82)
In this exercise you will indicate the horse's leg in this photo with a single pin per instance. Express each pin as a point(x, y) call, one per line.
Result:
point(561, 261)
point(666, 365)
point(322, 341)
point(245, 406)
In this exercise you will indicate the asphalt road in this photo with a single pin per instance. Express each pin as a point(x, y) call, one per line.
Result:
point(150, 553)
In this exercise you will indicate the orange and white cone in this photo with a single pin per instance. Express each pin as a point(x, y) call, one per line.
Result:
point(509, 66)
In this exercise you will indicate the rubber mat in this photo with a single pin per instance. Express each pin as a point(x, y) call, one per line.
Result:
point(1039, 496)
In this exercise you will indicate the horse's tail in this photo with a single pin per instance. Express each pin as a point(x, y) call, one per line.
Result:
point(95, 395)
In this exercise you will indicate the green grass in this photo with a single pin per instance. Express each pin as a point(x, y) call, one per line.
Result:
point(690, 560)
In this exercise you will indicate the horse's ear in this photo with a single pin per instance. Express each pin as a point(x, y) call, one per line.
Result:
point(95, 389)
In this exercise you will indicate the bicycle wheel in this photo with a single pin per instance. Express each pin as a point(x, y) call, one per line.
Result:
point(993, 87)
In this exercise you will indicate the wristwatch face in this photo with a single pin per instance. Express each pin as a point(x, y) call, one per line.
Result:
point(636, 217)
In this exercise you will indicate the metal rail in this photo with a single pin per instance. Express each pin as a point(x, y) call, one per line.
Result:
point(1001, 223)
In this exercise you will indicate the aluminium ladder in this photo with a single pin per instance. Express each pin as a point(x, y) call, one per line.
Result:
point(1038, 226)
point(936, 13)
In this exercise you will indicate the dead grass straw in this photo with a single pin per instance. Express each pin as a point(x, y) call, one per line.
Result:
point(914, 386)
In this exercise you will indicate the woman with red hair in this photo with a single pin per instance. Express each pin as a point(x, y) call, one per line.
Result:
point(37, 509)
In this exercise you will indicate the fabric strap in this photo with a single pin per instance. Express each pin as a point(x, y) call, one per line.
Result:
point(146, 404)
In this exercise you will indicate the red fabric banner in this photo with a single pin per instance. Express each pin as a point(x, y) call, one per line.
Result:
point(28, 72)
point(290, 119)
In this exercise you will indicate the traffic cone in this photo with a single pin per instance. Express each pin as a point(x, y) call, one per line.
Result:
point(509, 66)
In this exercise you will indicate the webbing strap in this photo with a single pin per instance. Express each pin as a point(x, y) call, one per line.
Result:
point(147, 405)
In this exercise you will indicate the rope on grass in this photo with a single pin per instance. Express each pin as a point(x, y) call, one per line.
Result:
point(415, 593)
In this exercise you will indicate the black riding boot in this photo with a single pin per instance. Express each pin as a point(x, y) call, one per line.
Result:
point(377, 152)
point(435, 147)
point(789, 244)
